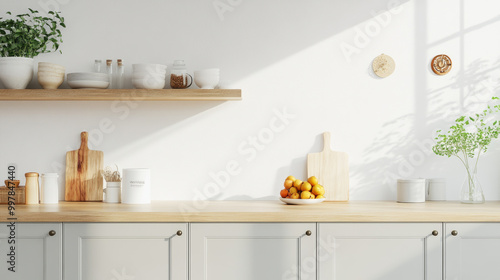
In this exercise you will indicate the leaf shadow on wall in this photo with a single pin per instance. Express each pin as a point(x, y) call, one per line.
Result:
point(399, 152)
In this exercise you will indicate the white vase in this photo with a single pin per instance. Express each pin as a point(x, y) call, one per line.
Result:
point(16, 72)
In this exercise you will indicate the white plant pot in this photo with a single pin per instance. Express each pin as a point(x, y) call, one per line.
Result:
point(16, 72)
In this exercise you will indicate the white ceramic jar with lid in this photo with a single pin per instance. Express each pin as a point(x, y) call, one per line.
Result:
point(411, 190)
point(179, 78)
point(49, 189)
point(136, 186)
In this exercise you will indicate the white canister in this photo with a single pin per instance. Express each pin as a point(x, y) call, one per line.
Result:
point(436, 189)
point(49, 190)
point(411, 190)
point(136, 186)
point(113, 192)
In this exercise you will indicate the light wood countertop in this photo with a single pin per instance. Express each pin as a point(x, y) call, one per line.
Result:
point(256, 211)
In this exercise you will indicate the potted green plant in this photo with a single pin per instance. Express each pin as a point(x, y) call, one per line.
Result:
point(467, 139)
point(22, 38)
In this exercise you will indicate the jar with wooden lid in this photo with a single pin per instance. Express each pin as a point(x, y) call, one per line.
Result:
point(32, 188)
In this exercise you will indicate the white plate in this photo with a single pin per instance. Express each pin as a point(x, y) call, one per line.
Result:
point(88, 84)
point(301, 201)
point(88, 76)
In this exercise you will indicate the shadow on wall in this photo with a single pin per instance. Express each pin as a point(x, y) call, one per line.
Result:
point(398, 153)
point(400, 150)
point(244, 36)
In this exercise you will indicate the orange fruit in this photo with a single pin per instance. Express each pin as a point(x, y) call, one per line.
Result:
point(318, 190)
point(305, 186)
point(312, 196)
point(288, 184)
point(305, 195)
point(297, 183)
point(290, 178)
point(293, 190)
point(319, 196)
point(284, 193)
point(313, 180)
point(294, 196)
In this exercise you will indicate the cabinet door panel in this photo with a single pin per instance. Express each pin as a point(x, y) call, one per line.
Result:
point(474, 253)
point(374, 251)
point(125, 251)
point(38, 256)
point(249, 251)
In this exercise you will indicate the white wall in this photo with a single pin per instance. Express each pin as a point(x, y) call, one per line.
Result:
point(307, 58)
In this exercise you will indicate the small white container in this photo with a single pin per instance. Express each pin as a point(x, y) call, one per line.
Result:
point(49, 193)
point(435, 189)
point(411, 190)
point(136, 186)
point(113, 192)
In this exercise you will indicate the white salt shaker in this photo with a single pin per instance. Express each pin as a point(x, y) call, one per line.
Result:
point(49, 189)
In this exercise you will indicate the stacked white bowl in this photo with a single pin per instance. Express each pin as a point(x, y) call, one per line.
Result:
point(50, 75)
point(88, 80)
point(149, 76)
point(207, 78)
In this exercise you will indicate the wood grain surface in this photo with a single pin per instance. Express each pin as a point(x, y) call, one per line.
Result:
point(83, 173)
point(332, 170)
point(120, 94)
point(258, 211)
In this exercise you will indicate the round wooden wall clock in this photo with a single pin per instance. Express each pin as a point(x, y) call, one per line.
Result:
point(441, 64)
point(383, 65)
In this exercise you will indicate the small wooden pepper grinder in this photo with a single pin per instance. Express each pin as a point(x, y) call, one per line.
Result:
point(32, 188)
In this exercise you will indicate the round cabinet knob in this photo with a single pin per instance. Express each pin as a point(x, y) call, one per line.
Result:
point(52, 232)
point(179, 232)
point(435, 232)
point(308, 233)
point(454, 232)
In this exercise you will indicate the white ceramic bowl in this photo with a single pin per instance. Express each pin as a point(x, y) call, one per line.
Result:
point(88, 76)
point(51, 67)
point(148, 83)
point(150, 68)
point(88, 84)
point(141, 75)
point(206, 81)
point(208, 71)
point(50, 80)
point(50, 70)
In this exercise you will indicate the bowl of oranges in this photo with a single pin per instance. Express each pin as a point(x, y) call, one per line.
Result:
point(302, 192)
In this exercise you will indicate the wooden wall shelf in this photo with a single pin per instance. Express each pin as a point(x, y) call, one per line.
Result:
point(120, 94)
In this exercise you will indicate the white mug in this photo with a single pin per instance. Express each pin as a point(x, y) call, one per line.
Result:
point(435, 189)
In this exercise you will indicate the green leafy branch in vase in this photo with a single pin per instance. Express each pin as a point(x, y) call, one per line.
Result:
point(469, 137)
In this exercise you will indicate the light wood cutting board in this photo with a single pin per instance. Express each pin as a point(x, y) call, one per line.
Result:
point(83, 173)
point(332, 170)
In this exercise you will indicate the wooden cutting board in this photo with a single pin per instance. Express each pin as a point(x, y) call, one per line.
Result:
point(332, 170)
point(83, 173)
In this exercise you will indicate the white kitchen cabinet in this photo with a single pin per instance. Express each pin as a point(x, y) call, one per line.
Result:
point(38, 251)
point(472, 251)
point(250, 251)
point(380, 251)
point(117, 251)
